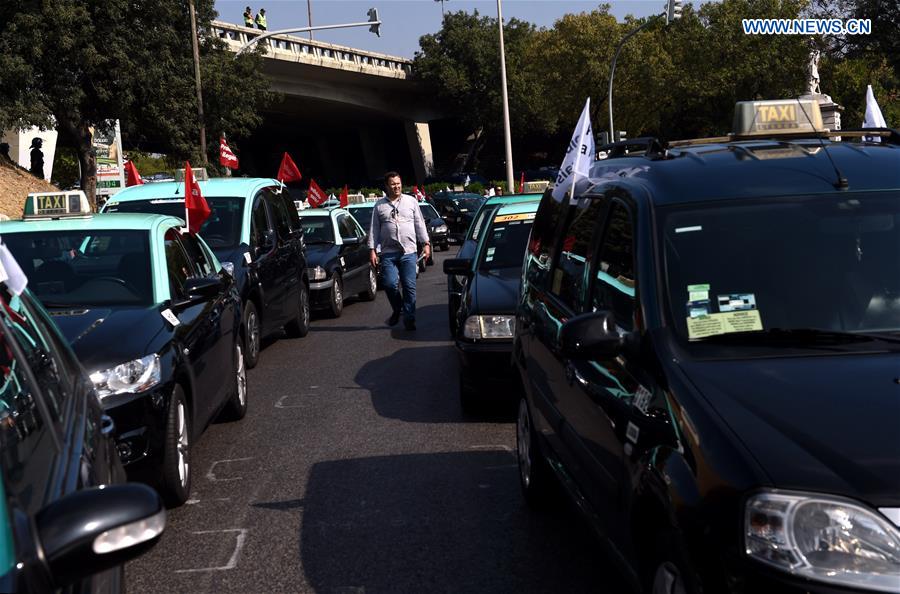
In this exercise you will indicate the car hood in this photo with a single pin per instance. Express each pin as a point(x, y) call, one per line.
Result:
point(495, 291)
point(318, 254)
point(105, 336)
point(431, 223)
point(827, 423)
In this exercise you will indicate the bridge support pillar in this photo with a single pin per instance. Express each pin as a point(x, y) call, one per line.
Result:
point(419, 137)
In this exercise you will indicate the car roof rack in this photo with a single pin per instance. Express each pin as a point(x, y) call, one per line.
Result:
point(648, 146)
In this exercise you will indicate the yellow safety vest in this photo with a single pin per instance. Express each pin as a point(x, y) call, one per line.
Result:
point(261, 20)
point(248, 20)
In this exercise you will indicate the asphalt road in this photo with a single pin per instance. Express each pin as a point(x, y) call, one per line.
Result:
point(355, 471)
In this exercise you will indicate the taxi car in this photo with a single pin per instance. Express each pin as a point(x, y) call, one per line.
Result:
point(469, 243)
point(254, 230)
point(438, 233)
point(362, 212)
point(338, 259)
point(58, 532)
point(708, 340)
point(457, 209)
point(153, 317)
point(485, 318)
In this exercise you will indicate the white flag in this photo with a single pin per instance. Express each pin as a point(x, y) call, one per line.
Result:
point(573, 173)
point(874, 119)
point(10, 272)
point(467, 181)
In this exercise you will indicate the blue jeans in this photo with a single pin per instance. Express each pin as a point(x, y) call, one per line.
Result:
point(400, 269)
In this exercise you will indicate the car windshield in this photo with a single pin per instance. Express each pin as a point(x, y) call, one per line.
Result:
point(317, 229)
point(67, 268)
point(468, 204)
point(428, 212)
point(221, 230)
point(775, 267)
point(363, 215)
point(506, 241)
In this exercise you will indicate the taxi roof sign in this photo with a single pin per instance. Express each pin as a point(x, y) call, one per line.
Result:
point(53, 205)
point(776, 117)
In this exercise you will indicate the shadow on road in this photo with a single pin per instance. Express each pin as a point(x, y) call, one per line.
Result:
point(450, 522)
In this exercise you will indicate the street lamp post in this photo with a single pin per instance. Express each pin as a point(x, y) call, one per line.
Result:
point(309, 15)
point(196, 47)
point(612, 72)
point(507, 137)
point(442, 6)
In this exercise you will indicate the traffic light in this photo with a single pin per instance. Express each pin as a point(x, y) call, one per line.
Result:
point(373, 18)
point(673, 10)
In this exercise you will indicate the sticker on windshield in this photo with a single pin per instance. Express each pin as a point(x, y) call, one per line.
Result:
point(723, 323)
point(248, 258)
point(736, 302)
point(526, 216)
point(698, 300)
point(490, 254)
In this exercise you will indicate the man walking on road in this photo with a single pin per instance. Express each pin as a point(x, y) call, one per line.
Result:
point(397, 225)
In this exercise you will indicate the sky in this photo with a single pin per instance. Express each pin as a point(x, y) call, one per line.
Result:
point(404, 21)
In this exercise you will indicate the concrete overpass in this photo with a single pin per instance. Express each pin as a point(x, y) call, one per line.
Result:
point(348, 114)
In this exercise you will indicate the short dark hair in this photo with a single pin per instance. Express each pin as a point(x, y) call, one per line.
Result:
point(389, 175)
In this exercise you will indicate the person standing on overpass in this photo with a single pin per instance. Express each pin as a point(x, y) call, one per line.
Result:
point(261, 19)
point(398, 225)
point(248, 17)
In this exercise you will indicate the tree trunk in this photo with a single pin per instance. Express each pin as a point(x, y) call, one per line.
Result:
point(88, 161)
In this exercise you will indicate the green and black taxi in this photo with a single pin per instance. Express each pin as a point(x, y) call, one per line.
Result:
point(254, 230)
point(153, 317)
point(485, 317)
point(66, 522)
point(709, 340)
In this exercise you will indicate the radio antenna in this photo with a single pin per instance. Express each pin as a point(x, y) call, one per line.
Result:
point(841, 183)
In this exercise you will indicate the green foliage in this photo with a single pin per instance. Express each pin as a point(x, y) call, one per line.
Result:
point(73, 64)
point(475, 188)
point(65, 167)
point(148, 164)
point(436, 187)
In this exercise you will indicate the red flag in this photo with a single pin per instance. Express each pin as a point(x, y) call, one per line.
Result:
point(226, 157)
point(288, 171)
point(134, 178)
point(345, 197)
point(195, 206)
point(315, 196)
point(419, 194)
point(522, 183)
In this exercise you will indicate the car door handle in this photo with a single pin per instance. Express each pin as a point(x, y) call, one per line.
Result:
point(573, 375)
point(107, 425)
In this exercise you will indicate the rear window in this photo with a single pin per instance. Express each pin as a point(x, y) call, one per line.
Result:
point(317, 229)
point(221, 230)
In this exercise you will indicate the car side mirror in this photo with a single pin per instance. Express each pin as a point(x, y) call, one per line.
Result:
point(590, 335)
point(228, 268)
point(267, 243)
point(200, 289)
point(460, 266)
point(350, 240)
point(92, 530)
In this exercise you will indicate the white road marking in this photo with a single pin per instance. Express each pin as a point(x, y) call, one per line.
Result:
point(211, 475)
point(196, 501)
point(280, 403)
point(232, 562)
point(505, 448)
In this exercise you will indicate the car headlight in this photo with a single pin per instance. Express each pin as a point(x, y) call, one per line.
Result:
point(317, 273)
point(823, 538)
point(488, 327)
point(440, 229)
point(130, 377)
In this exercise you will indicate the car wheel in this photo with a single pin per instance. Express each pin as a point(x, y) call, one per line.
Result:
point(299, 326)
point(668, 564)
point(534, 473)
point(337, 296)
point(667, 580)
point(252, 335)
point(176, 466)
point(371, 287)
point(236, 409)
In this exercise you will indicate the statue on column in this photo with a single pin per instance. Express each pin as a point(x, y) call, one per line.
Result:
point(812, 71)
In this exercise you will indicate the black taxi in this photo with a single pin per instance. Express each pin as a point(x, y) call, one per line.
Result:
point(154, 318)
point(709, 341)
point(66, 522)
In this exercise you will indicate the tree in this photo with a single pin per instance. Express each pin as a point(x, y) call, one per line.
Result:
point(77, 64)
point(461, 64)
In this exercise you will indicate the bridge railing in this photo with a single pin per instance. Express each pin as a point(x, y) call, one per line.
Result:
point(297, 49)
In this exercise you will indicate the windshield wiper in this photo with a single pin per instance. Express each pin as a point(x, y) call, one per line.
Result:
point(801, 336)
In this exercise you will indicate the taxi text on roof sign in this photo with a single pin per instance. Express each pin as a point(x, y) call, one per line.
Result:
point(44, 205)
point(761, 118)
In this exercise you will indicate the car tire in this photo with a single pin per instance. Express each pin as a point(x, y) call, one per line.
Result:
point(535, 476)
point(236, 408)
point(175, 482)
point(371, 286)
point(336, 303)
point(299, 326)
point(252, 331)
